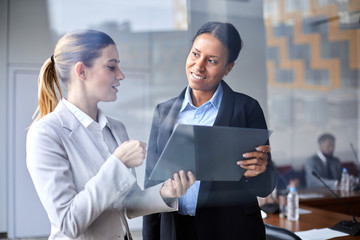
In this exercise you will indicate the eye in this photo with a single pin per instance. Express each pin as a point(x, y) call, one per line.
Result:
point(111, 68)
point(212, 61)
point(195, 54)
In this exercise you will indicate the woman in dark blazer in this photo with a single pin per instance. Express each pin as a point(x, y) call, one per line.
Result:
point(223, 210)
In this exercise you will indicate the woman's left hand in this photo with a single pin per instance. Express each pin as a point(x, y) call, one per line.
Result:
point(256, 162)
point(175, 188)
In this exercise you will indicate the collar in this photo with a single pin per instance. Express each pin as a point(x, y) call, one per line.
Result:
point(85, 119)
point(321, 156)
point(215, 99)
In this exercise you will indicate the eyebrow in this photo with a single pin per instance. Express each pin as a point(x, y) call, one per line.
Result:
point(212, 56)
point(114, 60)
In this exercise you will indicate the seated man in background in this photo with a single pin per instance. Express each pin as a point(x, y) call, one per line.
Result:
point(327, 166)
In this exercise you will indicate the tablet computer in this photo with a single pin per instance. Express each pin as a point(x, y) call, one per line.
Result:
point(210, 152)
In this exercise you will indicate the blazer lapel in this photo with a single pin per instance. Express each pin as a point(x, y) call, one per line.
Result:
point(119, 133)
point(79, 136)
point(225, 113)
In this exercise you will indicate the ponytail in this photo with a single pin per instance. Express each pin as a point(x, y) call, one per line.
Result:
point(47, 95)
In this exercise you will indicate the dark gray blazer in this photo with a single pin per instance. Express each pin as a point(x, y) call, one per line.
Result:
point(316, 164)
point(225, 210)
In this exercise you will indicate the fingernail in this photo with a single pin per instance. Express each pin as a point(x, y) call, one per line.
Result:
point(245, 155)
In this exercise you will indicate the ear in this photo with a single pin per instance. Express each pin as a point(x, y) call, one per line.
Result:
point(228, 68)
point(80, 71)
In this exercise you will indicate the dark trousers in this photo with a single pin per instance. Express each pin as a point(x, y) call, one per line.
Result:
point(185, 227)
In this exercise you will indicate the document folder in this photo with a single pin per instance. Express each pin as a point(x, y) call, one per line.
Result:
point(210, 152)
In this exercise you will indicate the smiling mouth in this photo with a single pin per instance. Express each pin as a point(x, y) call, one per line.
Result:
point(197, 77)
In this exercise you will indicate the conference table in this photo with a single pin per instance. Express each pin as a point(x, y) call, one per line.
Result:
point(327, 201)
point(326, 210)
point(318, 218)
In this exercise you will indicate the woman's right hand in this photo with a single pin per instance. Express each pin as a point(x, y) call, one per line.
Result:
point(131, 153)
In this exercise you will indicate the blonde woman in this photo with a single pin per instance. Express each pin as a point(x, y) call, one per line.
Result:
point(81, 161)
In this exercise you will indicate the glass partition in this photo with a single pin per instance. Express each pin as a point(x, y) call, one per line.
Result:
point(300, 61)
point(313, 78)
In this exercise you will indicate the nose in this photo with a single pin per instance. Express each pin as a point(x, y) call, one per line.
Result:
point(200, 64)
point(119, 75)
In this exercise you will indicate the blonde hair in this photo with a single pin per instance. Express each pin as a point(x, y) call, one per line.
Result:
point(47, 96)
point(73, 47)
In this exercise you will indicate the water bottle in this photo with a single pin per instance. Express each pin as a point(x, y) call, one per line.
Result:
point(293, 205)
point(345, 180)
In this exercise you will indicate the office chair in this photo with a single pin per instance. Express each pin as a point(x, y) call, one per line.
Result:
point(278, 233)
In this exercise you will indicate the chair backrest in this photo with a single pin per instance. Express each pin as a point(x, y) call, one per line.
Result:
point(278, 233)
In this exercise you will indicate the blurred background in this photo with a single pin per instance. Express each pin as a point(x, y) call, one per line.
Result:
point(300, 61)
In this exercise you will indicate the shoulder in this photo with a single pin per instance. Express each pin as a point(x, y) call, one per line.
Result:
point(240, 99)
point(48, 128)
point(46, 123)
point(313, 160)
point(247, 105)
point(166, 105)
point(171, 102)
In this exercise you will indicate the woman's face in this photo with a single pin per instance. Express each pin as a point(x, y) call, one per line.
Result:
point(103, 78)
point(206, 63)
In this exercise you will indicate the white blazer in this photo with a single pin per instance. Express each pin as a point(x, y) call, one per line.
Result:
point(84, 195)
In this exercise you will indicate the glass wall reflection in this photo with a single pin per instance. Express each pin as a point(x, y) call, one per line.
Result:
point(313, 78)
point(300, 61)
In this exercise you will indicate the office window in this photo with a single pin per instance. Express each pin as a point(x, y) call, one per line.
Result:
point(313, 76)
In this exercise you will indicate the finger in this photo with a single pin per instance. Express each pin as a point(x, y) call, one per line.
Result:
point(143, 144)
point(177, 184)
point(263, 148)
point(125, 142)
point(167, 190)
point(259, 168)
point(191, 178)
point(251, 173)
point(184, 182)
point(171, 186)
point(255, 155)
point(247, 162)
point(143, 153)
point(137, 143)
point(167, 183)
point(253, 161)
point(249, 166)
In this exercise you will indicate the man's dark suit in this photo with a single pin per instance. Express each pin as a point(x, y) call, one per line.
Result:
point(225, 210)
point(328, 172)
